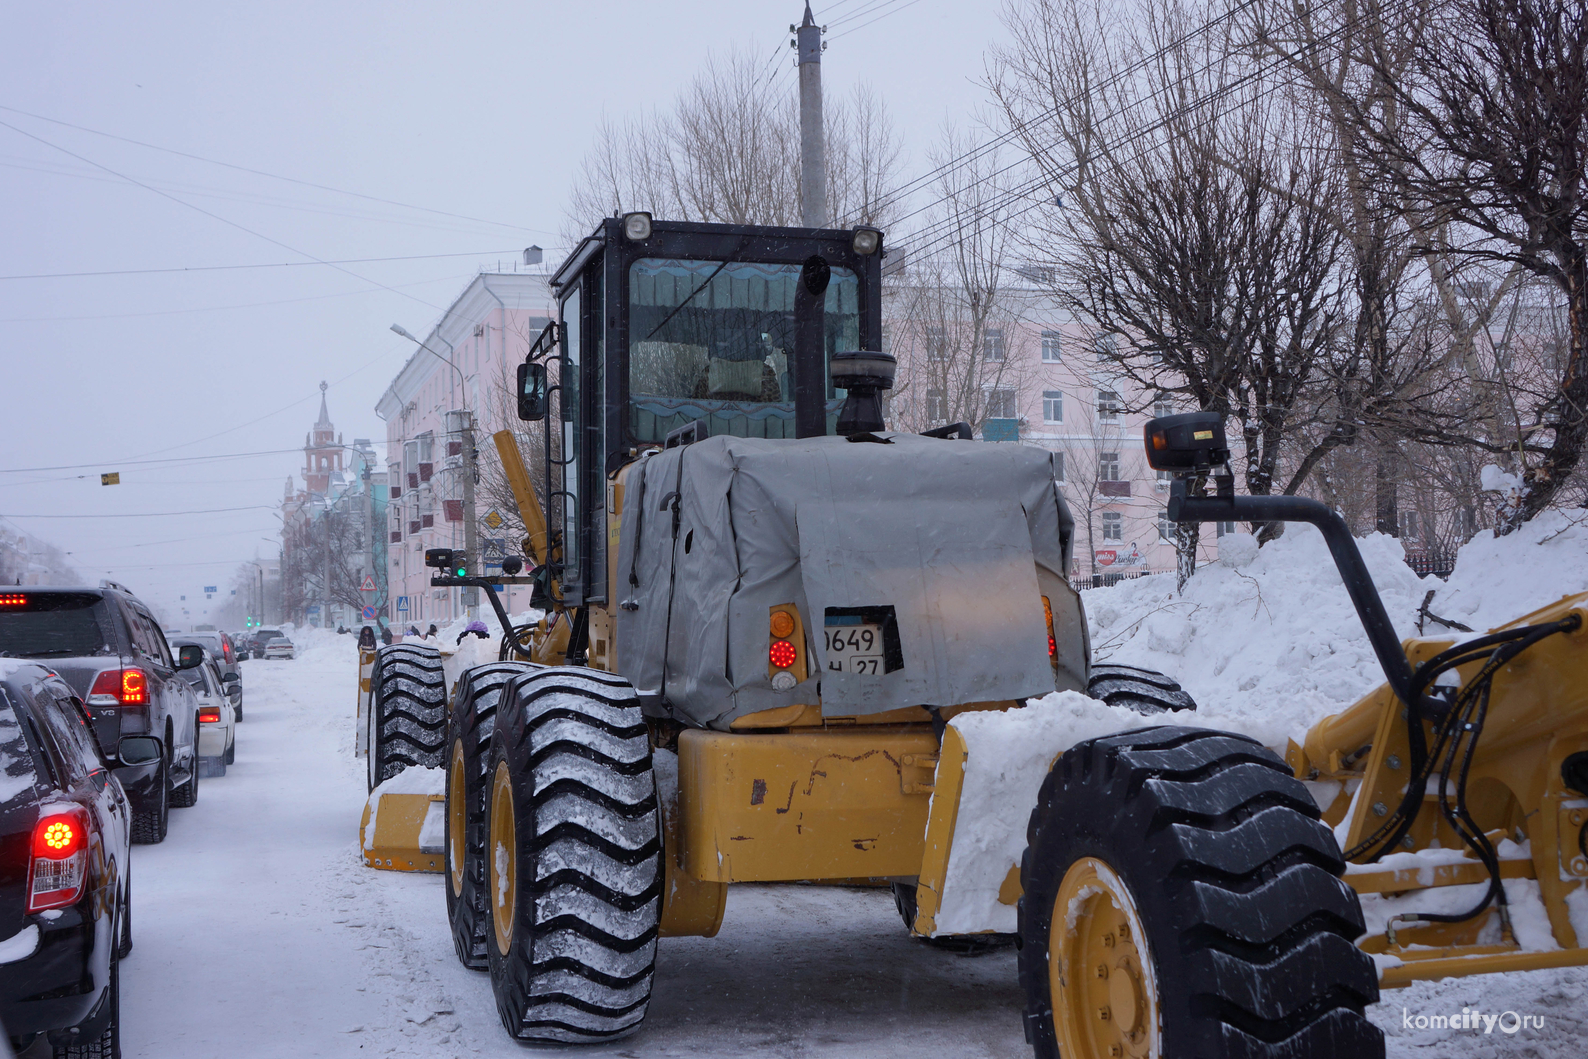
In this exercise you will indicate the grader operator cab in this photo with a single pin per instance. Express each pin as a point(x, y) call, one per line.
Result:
point(780, 644)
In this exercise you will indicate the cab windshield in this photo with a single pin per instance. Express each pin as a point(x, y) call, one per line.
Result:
point(713, 340)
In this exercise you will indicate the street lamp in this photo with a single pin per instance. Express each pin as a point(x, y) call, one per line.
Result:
point(470, 466)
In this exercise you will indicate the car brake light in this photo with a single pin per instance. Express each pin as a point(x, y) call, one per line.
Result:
point(119, 687)
point(58, 867)
point(226, 649)
point(12, 599)
point(209, 715)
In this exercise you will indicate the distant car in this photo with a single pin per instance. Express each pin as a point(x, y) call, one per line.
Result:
point(220, 650)
point(280, 647)
point(65, 866)
point(263, 637)
point(217, 721)
point(105, 644)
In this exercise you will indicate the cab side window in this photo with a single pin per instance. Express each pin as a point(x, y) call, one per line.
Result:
point(162, 650)
point(65, 743)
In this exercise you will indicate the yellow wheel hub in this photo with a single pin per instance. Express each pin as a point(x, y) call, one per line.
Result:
point(502, 855)
point(456, 819)
point(1100, 973)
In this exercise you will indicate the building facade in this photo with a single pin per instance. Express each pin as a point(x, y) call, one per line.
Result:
point(463, 373)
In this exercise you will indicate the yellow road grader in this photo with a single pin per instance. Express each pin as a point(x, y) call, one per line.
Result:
point(782, 643)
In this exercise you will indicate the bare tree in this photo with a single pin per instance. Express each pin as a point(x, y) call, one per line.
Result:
point(1492, 150)
point(1196, 225)
point(953, 315)
point(728, 151)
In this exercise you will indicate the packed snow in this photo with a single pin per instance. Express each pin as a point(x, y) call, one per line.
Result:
point(260, 933)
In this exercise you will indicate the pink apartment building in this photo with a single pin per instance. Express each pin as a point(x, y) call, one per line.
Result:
point(465, 361)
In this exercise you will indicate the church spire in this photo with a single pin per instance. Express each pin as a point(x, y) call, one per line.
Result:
point(325, 417)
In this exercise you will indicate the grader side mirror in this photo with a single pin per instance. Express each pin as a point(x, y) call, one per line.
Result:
point(1186, 443)
point(531, 392)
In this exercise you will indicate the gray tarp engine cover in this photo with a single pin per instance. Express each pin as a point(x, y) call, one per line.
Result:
point(953, 535)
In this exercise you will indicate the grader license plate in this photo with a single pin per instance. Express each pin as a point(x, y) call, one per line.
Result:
point(854, 647)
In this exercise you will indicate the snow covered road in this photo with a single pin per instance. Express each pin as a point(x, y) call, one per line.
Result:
point(259, 934)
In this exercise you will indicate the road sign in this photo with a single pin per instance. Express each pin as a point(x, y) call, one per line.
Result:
point(211, 588)
point(368, 585)
point(493, 547)
point(493, 520)
point(369, 613)
point(402, 602)
point(113, 478)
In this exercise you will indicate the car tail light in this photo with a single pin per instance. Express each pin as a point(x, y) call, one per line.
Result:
point(226, 649)
point(119, 687)
point(58, 867)
point(209, 714)
point(12, 599)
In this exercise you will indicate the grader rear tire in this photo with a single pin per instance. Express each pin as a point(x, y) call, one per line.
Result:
point(1143, 690)
point(469, 728)
point(1182, 898)
point(407, 711)
point(574, 868)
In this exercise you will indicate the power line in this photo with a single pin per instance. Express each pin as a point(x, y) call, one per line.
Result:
point(207, 213)
point(260, 264)
point(272, 176)
point(155, 514)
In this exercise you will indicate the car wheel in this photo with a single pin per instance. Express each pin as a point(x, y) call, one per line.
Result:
point(150, 821)
point(108, 1044)
point(187, 796)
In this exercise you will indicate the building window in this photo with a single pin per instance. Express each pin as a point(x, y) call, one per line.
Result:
point(1165, 527)
point(936, 405)
point(1108, 466)
point(1058, 466)
point(1000, 404)
point(936, 344)
point(1052, 406)
point(992, 346)
point(1108, 406)
point(1221, 528)
point(1113, 526)
point(1163, 406)
point(1050, 347)
point(1106, 346)
point(1409, 525)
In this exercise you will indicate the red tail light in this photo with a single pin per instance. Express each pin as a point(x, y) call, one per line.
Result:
point(12, 599)
point(58, 868)
point(209, 715)
point(226, 649)
point(1053, 643)
point(119, 687)
point(781, 654)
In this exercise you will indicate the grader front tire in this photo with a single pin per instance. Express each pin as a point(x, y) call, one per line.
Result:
point(574, 858)
point(1182, 899)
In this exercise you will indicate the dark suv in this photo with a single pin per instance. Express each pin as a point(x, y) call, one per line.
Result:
point(65, 868)
point(111, 651)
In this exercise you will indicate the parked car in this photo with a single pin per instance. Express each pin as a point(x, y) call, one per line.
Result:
point(216, 719)
point(65, 866)
point(104, 643)
point(220, 650)
point(263, 637)
point(280, 647)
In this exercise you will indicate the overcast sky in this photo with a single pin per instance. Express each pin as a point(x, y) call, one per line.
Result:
point(478, 110)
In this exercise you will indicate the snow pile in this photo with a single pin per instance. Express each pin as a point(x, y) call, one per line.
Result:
point(1008, 756)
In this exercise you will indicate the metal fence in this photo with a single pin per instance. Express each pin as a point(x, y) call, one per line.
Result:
point(1436, 563)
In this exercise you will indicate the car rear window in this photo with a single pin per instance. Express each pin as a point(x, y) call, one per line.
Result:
point(268, 634)
point(18, 775)
point(55, 625)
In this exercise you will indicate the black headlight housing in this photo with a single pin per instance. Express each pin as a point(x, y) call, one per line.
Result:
point(1187, 443)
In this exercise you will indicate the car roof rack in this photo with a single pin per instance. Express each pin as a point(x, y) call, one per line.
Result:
point(115, 585)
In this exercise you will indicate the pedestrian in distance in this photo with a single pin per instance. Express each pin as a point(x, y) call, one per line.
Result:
point(366, 638)
point(385, 635)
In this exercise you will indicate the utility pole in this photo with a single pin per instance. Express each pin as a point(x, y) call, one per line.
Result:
point(813, 143)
